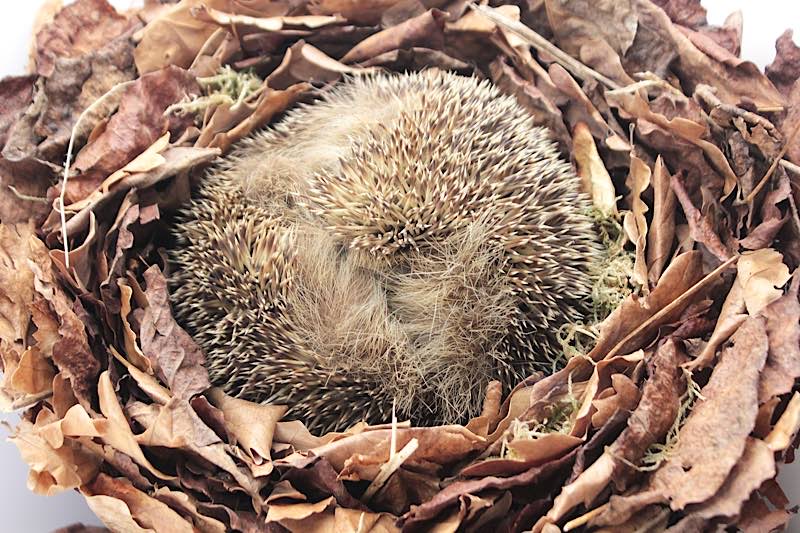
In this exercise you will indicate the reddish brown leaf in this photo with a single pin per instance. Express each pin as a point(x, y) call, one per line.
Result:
point(79, 29)
point(783, 329)
point(137, 124)
point(714, 436)
point(16, 93)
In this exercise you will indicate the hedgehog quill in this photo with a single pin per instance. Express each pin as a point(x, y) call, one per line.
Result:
point(405, 239)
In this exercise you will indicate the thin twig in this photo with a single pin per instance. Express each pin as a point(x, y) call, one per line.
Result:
point(543, 45)
point(31, 399)
point(390, 467)
point(584, 518)
point(27, 197)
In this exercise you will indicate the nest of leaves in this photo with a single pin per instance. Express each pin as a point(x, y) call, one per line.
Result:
point(673, 411)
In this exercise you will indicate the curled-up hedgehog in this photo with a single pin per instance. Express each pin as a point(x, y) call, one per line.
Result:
point(404, 240)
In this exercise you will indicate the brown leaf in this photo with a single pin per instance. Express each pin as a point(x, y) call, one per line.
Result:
point(176, 358)
point(783, 330)
point(147, 511)
point(648, 424)
point(581, 22)
point(79, 29)
point(595, 179)
point(175, 36)
point(424, 31)
point(714, 436)
point(623, 395)
point(16, 93)
point(731, 316)
point(622, 331)
point(44, 130)
point(53, 469)
point(701, 229)
point(784, 70)
point(138, 123)
point(358, 11)
point(661, 234)
point(755, 466)
point(416, 59)
point(635, 221)
point(762, 274)
point(304, 63)
point(688, 13)
point(269, 104)
point(734, 84)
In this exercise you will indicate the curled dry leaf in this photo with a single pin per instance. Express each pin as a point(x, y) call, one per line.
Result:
point(252, 425)
point(176, 35)
point(648, 424)
point(635, 221)
point(783, 329)
point(145, 510)
point(592, 171)
point(784, 70)
point(425, 30)
point(138, 123)
point(305, 63)
point(661, 233)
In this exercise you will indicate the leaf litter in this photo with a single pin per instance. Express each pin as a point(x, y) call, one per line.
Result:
point(686, 149)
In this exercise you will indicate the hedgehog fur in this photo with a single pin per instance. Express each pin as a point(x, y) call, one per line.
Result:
point(402, 241)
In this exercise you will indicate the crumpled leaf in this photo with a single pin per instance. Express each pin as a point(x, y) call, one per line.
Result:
point(305, 63)
point(733, 83)
point(783, 329)
point(700, 228)
point(358, 11)
point(78, 29)
point(176, 358)
point(756, 465)
point(53, 469)
point(251, 424)
point(762, 273)
point(785, 68)
point(16, 93)
point(714, 436)
point(579, 23)
point(145, 510)
point(175, 36)
point(138, 123)
point(649, 423)
point(661, 233)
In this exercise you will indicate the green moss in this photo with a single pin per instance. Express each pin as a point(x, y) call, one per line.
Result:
point(227, 87)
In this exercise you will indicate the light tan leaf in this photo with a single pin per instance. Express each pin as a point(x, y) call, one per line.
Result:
point(762, 273)
point(785, 430)
point(635, 221)
point(251, 424)
point(115, 514)
point(594, 177)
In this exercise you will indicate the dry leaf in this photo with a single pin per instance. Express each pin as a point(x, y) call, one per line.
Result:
point(714, 436)
point(762, 273)
point(78, 29)
point(661, 234)
point(783, 329)
point(425, 30)
point(635, 221)
point(176, 358)
point(592, 171)
point(251, 424)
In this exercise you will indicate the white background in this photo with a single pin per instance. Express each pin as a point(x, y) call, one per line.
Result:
point(24, 512)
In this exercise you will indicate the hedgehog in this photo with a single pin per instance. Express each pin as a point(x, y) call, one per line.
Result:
point(398, 243)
